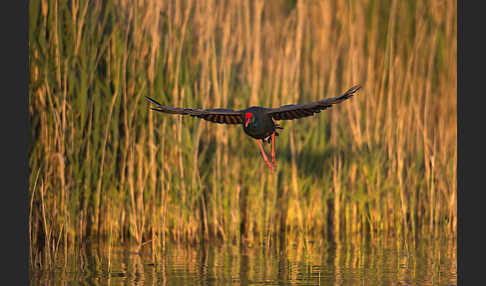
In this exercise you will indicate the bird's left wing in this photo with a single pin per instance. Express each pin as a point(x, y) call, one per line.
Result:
point(294, 111)
point(216, 115)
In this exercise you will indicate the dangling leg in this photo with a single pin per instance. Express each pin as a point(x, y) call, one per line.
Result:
point(264, 155)
point(274, 163)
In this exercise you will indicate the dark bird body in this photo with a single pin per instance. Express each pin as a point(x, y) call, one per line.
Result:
point(258, 121)
point(263, 127)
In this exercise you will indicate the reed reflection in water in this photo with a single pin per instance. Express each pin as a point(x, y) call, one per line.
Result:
point(383, 262)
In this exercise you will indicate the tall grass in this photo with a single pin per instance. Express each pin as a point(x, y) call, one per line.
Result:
point(102, 166)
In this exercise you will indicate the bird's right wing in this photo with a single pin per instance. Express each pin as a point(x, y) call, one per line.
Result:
point(216, 115)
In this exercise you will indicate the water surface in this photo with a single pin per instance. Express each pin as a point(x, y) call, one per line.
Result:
point(384, 262)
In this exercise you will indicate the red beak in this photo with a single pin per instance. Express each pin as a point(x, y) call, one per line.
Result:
point(248, 116)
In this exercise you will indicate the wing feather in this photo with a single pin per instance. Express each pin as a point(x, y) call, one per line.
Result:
point(294, 111)
point(217, 115)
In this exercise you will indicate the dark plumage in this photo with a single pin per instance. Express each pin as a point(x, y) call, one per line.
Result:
point(258, 121)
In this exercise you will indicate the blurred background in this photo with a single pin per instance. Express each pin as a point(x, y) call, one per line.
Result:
point(104, 167)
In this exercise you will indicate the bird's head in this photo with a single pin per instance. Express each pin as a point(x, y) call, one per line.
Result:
point(249, 118)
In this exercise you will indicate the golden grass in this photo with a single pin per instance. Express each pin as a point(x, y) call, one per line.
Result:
point(384, 161)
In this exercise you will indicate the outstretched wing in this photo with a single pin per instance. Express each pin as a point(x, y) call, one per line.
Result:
point(217, 115)
point(294, 111)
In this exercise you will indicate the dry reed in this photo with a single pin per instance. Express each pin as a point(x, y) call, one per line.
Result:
point(384, 161)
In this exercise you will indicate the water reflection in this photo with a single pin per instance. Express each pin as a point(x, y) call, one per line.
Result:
point(428, 262)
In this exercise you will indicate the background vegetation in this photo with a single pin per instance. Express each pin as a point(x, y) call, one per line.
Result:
point(102, 166)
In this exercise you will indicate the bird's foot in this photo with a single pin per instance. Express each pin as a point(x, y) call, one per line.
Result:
point(271, 167)
point(268, 164)
point(273, 164)
point(265, 158)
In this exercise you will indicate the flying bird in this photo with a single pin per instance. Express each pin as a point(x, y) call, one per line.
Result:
point(258, 122)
